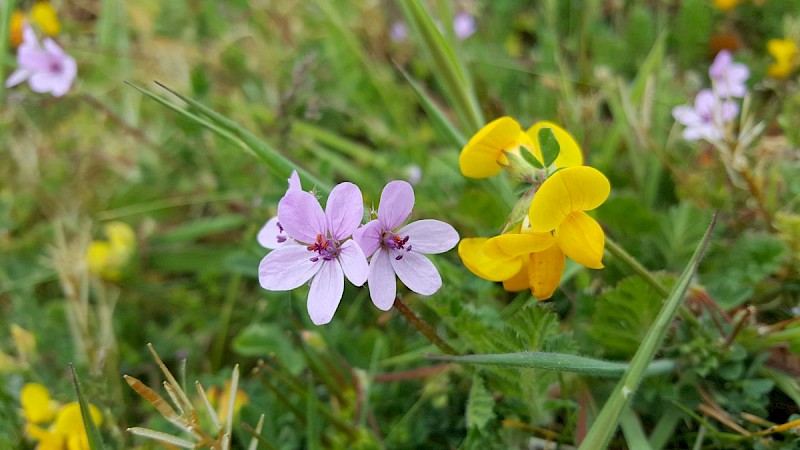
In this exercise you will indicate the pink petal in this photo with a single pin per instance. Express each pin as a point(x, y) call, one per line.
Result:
point(686, 115)
point(268, 235)
point(344, 210)
point(354, 263)
point(325, 293)
point(29, 37)
point(294, 182)
point(18, 77)
point(51, 47)
point(287, 268)
point(382, 285)
point(416, 272)
point(720, 65)
point(397, 201)
point(368, 237)
point(301, 216)
point(430, 236)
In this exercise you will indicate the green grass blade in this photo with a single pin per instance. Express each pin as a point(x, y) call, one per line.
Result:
point(439, 118)
point(633, 431)
point(93, 435)
point(448, 69)
point(226, 129)
point(559, 362)
point(6, 11)
point(606, 423)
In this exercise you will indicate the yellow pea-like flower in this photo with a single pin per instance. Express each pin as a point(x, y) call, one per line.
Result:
point(107, 258)
point(726, 5)
point(44, 15)
point(37, 407)
point(785, 52)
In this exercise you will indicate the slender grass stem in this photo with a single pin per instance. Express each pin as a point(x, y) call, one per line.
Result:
point(423, 326)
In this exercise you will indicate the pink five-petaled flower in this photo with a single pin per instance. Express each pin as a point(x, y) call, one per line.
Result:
point(47, 69)
point(729, 77)
point(319, 251)
point(272, 235)
point(708, 118)
point(400, 251)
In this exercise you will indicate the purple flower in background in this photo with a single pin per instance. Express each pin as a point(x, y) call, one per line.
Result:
point(464, 25)
point(400, 251)
point(399, 31)
point(320, 251)
point(47, 69)
point(728, 77)
point(707, 119)
point(272, 235)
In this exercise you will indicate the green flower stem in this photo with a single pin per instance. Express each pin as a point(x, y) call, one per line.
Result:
point(423, 327)
point(6, 11)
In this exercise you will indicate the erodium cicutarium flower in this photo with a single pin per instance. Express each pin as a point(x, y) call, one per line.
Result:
point(320, 250)
point(400, 251)
point(272, 235)
point(46, 68)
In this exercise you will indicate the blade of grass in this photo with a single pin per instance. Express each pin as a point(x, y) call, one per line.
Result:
point(606, 423)
point(559, 362)
point(92, 434)
point(632, 430)
point(229, 130)
point(6, 11)
point(449, 70)
point(439, 118)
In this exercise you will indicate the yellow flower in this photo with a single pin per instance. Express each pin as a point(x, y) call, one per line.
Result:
point(222, 401)
point(785, 53)
point(108, 258)
point(556, 226)
point(37, 407)
point(485, 154)
point(43, 14)
point(726, 5)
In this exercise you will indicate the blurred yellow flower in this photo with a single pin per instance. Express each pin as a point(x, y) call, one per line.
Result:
point(43, 14)
point(726, 5)
point(486, 153)
point(107, 258)
point(785, 53)
point(222, 401)
point(66, 432)
point(37, 407)
point(556, 226)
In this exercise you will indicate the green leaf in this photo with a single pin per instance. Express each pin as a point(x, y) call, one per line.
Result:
point(261, 340)
point(559, 362)
point(605, 425)
point(549, 145)
point(435, 113)
point(92, 434)
point(199, 228)
point(480, 406)
point(530, 159)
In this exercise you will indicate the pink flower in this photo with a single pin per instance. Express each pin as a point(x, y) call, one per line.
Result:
point(272, 235)
point(46, 69)
point(320, 251)
point(399, 31)
point(708, 118)
point(728, 77)
point(464, 25)
point(400, 251)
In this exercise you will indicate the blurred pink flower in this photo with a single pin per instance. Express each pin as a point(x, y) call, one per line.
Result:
point(464, 25)
point(400, 251)
point(272, 235)
point(707, 119)
point(728, 77)
point(47, 69)
point(320, 250)
point(399, 31)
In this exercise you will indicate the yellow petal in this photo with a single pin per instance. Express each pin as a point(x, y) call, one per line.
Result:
point(45, 16)
point(569, 154)
point(580, 188)
point(69, 419)
point(479, 158)
point(785, 52)
point(121, 236)
point(486, 260)
point(518, 282)
point(581, 238)
point(544, 272)
point(48, 440)
point(36, 404)
point(517, 244)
